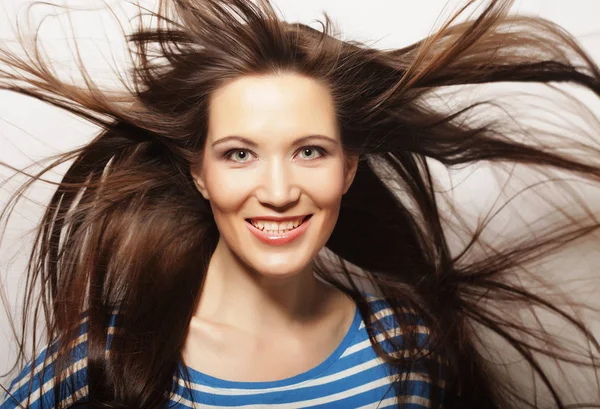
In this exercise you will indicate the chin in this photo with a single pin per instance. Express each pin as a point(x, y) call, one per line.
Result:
point(277, 262)
point(280, 269)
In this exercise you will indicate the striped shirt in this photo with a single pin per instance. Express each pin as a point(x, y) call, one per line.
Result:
point(353, 376)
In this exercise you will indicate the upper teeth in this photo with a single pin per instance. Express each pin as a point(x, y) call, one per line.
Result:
point(276, 226)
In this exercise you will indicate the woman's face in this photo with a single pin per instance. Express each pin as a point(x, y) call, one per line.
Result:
point(274, 170)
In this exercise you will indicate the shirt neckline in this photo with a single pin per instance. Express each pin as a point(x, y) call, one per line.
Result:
point(199, 377)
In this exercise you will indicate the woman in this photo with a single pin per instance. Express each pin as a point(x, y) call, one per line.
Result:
point(257, 223)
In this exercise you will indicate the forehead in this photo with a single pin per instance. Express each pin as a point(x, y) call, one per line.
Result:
point(274, 105)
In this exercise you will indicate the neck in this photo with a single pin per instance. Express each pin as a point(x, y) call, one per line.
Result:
point(234, 294)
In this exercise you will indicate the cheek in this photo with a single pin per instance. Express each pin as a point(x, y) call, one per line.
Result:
point(325, 187)
point(228, 194)
point(227, 189)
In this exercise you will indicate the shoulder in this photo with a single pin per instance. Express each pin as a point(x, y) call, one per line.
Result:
point(393, 316)
point(405, 339)
point(34, 386)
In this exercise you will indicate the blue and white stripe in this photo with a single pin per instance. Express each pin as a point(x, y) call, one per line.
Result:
point(353, 376)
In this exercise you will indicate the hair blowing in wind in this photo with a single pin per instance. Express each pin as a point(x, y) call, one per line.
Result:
point(126, 230)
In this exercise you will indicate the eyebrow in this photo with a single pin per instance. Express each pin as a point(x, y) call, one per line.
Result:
point(297, 142)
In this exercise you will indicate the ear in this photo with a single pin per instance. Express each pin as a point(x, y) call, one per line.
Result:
point(198, 178)
point(350, 166)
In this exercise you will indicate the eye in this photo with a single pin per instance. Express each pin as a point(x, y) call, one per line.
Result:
point(238, 155)
point(311, 152)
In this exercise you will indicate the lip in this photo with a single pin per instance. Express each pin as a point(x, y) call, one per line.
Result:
point(276, 239)
point(279, 218)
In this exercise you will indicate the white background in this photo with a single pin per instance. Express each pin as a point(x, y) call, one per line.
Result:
point(30, 130)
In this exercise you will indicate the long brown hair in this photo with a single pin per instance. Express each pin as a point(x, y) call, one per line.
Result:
point(127, 231)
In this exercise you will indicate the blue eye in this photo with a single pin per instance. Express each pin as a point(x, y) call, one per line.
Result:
point(238, 155)
point(311, 152)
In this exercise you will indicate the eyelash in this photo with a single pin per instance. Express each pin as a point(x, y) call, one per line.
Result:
point(322, 152)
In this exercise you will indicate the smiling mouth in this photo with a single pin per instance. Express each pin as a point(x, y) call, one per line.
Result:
point(277, 227)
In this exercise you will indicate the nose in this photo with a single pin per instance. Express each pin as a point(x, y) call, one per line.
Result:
point(278, 187)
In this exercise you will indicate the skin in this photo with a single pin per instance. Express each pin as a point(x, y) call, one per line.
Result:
point(261, 302)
